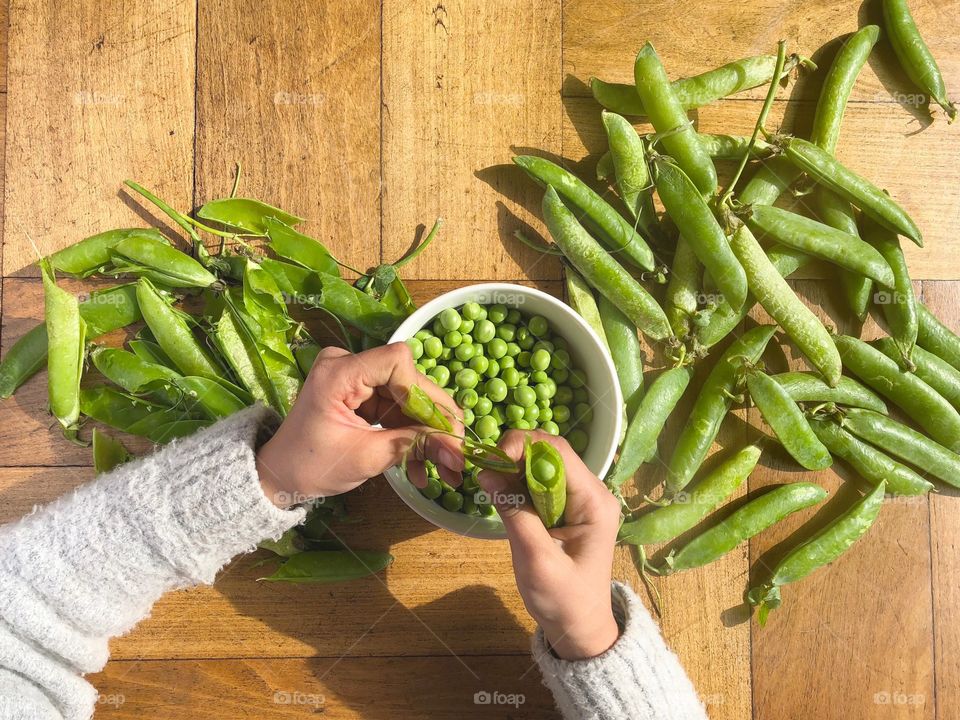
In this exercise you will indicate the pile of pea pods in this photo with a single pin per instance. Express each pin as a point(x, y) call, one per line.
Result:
point(687, 278)
point(216, 335)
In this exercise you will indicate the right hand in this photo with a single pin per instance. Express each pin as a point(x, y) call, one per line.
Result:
point(563, 574)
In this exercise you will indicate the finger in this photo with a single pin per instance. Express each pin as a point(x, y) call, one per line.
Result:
point(417, 473)
point(525, 530)
point(386, 447)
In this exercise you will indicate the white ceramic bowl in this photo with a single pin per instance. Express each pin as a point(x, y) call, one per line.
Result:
point(587, 351)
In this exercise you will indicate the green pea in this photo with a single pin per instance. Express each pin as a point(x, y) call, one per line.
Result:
point(420, 368)
point(581, 395)
point(484, 331)
point(538, 325)
point(450, 319)
point(440, 375)
point(452, 501)
point(546, 413)
point(446, 353)
point(468, 417)
point(466, 327)
point(513, 316)
point(549, 426)
point(543, 470)
point(578, 379)
point(493, 369)
point(478, 349)
point(450, 391)
point(582, 412)
point(525, 338)
point(455, 366)
point(496, 348)
point(522, 425)
point(497, 313)
point(496, 389)
point(523, 358)
point(539, 376)
point(561, 359)
point(531, 413)
point(469, 506)
point(546, 390)
point(564, 427)
point(464, 352)
point(560, 343)
point(466, 338)
point(483, 407)
point(486, 510)
point(486, 426)
point(513, 413)
point(416, 347)
point(479, 364)
point(540, 360)
point(473, 311)
point(525, 396)
point(561, 413)
point(510, 376)
point(433, 346)
point(561, 376)
point(433, 490)
point(507, 332)
point(467, 378)
point(497, 413)
point(437, 328)
point(467, 398)
point(513, 349)
point(423, 334)
point(452, 339)
point(578, 440)
point(507, 362)
point(427, 363)
point(564, 395)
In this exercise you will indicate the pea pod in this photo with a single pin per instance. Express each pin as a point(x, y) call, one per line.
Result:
point(93, 254)
point(787, 421)
point(667, 115)
point(614, 231)
point(137, 416)
point(711, 407)
point(624, 344)
point(108, 452)
point(160, 261)
point(546, 481)
point(666, 523)
point(898, 304)
point(938, 374)
point(580, 297)
point(839, 214)
point(420, 407)
point(725, 319)
point(698, 227)
point(807, 387)
point(329, 566)
point(601, 270)
point(869, 462)
point(905, 443)
point(936, 337)
point(646, 424)
point(770, 181)
point(777, 297)
point(681, 299)
point(629, 155)
point(250, 216)
point(698, 90)
point(306, 355)
point(827, 171)
point(66, 337)
point(744, 523)
point(23, 360)
point(238, 346)
point(815, 238)
point(299, 248)
point(718, 147)
point(914, 55)
point(917, 399)
point(820, 550)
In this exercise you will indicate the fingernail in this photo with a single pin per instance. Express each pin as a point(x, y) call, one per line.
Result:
point(449, 458)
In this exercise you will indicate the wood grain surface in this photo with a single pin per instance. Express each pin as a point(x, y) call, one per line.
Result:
point(371, 119)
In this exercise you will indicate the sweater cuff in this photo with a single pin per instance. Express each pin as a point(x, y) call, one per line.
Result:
point(638, 678)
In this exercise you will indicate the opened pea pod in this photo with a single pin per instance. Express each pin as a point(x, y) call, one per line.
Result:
point(546, 480)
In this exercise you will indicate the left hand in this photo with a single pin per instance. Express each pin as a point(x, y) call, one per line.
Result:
point(329, 444)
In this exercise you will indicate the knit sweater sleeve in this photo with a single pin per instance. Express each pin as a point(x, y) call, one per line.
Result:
point(90, 565)
point(639, 678)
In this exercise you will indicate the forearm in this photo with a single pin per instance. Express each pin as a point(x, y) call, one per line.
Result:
point(90, 565)
point(639, 678)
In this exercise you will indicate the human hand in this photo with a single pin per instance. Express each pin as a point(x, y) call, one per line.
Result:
point(563, 574)
point(328, 444)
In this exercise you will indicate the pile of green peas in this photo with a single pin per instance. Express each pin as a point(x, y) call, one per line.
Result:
point(504, 370)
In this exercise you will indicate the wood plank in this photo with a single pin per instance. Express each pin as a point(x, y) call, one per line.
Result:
point(341, 689)
point(109, 100)
point(4, 21)
point(602, 37)
point(459, 99)
point(876, 142)
point(291, 91)
point(941, 298)
point(859, 631)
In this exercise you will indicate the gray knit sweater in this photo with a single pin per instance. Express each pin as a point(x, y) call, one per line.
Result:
point(90, 565)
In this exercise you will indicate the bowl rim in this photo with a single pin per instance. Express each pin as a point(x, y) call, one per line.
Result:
point(482, 527)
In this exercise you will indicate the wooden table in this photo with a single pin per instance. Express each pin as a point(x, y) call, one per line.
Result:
point(373, 118)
